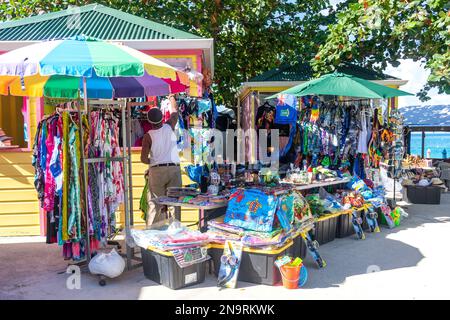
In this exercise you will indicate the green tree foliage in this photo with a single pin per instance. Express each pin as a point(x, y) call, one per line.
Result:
point(253, 36)
point(250, 36)
point(378, 32)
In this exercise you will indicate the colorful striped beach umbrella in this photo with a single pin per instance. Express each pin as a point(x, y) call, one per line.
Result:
point(59, 69)
point(97, 87)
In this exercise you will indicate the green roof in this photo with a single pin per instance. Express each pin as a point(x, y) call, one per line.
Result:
point(92, 20)
point(304, 72)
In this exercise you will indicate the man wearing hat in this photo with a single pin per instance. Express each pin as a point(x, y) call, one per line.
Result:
point(159, 151)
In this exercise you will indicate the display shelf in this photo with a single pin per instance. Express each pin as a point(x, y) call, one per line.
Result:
point(318, 184)
point(190, 205)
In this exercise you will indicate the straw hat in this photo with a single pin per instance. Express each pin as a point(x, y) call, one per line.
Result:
point(436, 181)
point(407, 182)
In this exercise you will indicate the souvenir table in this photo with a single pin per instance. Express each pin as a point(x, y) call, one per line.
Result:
point(320, 184)
point(203, 209)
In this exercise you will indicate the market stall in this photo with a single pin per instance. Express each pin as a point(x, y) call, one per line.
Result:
point(19, 116)
point(328, 185)
point(82, 168)
point(264, 220)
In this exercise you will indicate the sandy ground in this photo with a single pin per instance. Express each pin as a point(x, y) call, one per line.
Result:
point(410, 262)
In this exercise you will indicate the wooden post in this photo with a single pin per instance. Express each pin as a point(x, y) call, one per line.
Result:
point(408, 142)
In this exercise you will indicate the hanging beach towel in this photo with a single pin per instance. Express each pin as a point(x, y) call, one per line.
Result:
point(183, 141)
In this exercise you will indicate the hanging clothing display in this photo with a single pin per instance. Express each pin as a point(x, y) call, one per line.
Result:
point(137, 132)
point(363, 133)
point(57, 159)
point(266, 119)
point(201, 145)
point(332, 133)
point(106, 189)
point(166, 109)
point(197, 117)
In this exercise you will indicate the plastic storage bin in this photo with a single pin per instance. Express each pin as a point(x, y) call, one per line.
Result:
point(344, 227)
point(424, 195)
point(162, 268)
point(298, 248)
point(257, 266)
point(325, 229)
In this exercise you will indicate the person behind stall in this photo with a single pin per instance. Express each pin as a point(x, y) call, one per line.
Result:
point(159, 151)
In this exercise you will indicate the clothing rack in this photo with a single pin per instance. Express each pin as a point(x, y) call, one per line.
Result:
point(125, 159)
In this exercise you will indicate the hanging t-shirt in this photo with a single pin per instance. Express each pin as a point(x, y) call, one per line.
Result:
point(166, 107)
point(265, 117)
point(285, 114)
point(363, 133)
point(204, 105)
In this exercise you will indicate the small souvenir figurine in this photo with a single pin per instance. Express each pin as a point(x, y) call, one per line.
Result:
point(215, 181)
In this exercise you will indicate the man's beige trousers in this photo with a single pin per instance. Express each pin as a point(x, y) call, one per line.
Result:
point(159, 179)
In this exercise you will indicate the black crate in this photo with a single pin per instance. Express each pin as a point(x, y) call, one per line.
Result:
point(298, 249)
point(164, 270)
point(344, 226)
point(365, 225)
point(256, 267)
point(380, 216)
point(424, 195)
point(325, 230)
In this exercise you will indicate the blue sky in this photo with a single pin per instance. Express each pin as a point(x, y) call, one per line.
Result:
point(417, 76)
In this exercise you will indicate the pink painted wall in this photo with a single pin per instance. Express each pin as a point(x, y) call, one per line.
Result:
point(180, 54)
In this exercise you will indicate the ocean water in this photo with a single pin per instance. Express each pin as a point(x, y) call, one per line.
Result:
point(435, 141)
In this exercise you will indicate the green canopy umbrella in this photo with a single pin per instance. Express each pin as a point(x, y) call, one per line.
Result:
point(341, 84)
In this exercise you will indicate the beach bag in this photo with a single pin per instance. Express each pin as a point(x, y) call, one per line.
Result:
point(386, 217)
point(251, 209)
